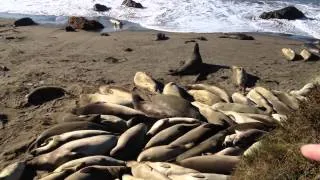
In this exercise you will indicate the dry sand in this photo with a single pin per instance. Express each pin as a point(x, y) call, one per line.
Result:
point(81, 61)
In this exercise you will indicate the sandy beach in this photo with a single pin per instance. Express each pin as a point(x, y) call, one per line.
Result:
point(82, 61)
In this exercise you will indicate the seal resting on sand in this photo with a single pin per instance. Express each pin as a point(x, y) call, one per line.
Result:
point(191, 66)
point(164, 106)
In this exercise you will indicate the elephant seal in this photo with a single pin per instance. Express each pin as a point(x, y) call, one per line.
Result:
point(116, 91)
point(89, 161)
point(13, 171)
point(304, 91)
point(258, 99)
point(58, 175)
point(169, 169)
point(214, 89)
point(205, 97)
point(191, 66)
point(212, 144)
point(170, 134)
point(55, 141)
point(172, 88)
point(130, 143)
point(277, 105)
point(164, 106)
point(279, 117)
point(289, 54)
point(144, 81)
point(200, 176)
point(99, 173)
point(63, 128)
point(129, 177)
point(198, 134)
point(213, 116)
point(69, 117)
point(162, 153)
point(211, 163)
point(240, 118)
point(240, 108)
point(86, 99)
point(231, 151)
point(287, 99)
point(241, 99)
point(254, 147)
point(239, 77)
point(96, 145)
point(168, 122)
point(106, 108)
point(245, 139)
point(43, 94)
point(118, 125)
point(144, 171)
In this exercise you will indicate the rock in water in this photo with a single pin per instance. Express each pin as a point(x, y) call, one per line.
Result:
point(101, 8)
point(290, 13)
point(44, 94)
point(131, 3)
point(24, 22)
point(289, 54)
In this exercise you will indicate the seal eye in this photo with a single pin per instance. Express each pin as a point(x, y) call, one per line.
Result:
point(165, 165)
point(198, 175)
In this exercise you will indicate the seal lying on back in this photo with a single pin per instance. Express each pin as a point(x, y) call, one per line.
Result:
point(164, 106)
point(191, 66)
point(96, 145)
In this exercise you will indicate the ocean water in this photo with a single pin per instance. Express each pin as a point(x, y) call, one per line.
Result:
point(180, 15)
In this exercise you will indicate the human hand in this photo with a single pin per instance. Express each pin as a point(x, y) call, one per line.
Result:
point(311, 151)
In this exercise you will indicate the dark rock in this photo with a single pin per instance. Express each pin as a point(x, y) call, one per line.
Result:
point(70, 29)
point(3, 120)
point(201, 38)
point(131, 3)
point(104, 34)
point(3, 68)
point(161, 37)
point(290, 13)
point(24, 22)
point(44, 94)
point(100, 8)
point(128, 50)
point(92, 25)
point(239, 36)
point(83, 23)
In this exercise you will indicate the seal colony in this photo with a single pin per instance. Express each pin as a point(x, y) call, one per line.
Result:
point(194, 132)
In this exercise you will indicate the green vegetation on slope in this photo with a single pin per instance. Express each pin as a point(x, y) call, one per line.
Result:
point(279, 155)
